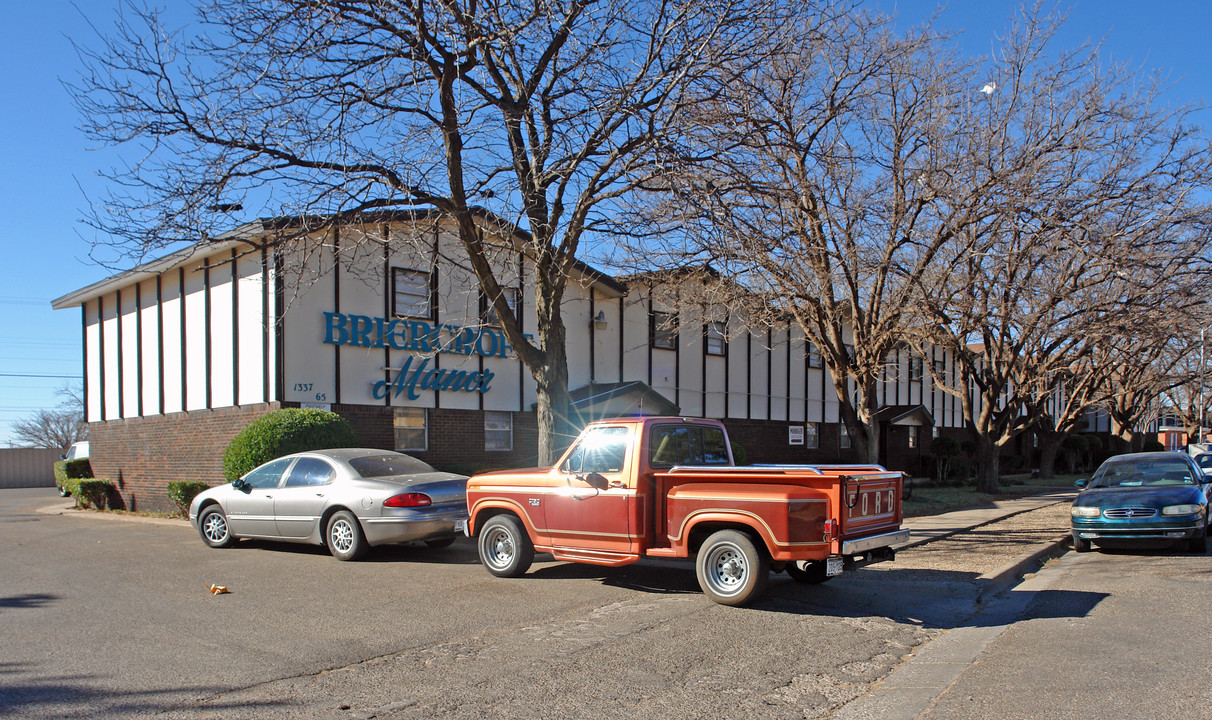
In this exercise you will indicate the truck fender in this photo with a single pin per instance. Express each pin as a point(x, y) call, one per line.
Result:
point(486, 508)
point(701, 523)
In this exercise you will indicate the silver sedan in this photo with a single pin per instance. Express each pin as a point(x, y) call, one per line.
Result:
point(347, 499)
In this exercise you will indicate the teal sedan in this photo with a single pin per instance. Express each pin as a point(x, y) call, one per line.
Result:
point(1143, 498)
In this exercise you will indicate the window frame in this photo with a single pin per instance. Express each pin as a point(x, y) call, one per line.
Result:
point(401, 412)
point(507, 415)
point(843, 441)
point(721, 336)
point(812, 436)
point(431, 304)
point(668, 330)
point(488, 316)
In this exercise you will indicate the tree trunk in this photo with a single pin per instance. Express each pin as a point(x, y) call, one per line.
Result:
point(989, 463)
point(1049, 448)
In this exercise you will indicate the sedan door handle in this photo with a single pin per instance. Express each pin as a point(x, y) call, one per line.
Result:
point(319, 494)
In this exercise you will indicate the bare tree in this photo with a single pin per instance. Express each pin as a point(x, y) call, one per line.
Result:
point(56, 428)
point(1095, 216)
point(543, 113)
point(832, 191)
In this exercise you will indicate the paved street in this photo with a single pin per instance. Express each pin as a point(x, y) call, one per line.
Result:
point(1109, 635)
point(106, 618)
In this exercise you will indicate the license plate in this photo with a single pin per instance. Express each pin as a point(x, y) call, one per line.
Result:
point(461, 526)
point(833, 566)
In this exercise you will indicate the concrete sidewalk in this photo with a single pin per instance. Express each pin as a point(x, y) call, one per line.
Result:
point(926, 528)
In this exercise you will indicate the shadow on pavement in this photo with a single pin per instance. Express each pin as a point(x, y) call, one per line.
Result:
point(72, 697)
point(32, 600)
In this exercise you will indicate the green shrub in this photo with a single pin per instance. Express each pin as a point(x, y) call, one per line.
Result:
point(283, 432)
point(69, 472)
point(93, 492)
point(182, 492)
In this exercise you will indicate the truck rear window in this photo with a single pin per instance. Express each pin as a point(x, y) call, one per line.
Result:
point(672, 445)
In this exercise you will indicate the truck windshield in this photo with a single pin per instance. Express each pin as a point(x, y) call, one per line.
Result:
point(687, 445)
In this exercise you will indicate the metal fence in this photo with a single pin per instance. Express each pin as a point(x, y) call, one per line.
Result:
point(28, 467)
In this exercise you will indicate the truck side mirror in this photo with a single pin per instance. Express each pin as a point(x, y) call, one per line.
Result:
point(596, 481)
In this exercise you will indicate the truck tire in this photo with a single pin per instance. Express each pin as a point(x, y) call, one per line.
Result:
point(505, 548)
point(812, 573)
point(731, 569)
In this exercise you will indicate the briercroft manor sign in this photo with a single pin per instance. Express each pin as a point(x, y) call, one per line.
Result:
point(419, 336)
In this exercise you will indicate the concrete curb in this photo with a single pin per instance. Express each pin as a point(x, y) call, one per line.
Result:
point(67, 509)
point(1011, 574)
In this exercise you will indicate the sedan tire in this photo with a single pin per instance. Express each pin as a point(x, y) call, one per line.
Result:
point(1080, 545)
point(1199, 544)
point(213, 527)
point(505, 547)
point(344, 536)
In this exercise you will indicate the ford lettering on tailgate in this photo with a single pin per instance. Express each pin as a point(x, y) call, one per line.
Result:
point(870, 500)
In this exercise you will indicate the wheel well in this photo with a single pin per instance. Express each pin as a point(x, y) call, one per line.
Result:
point(328, 516)
point(483, 516)
point(205, 504)
point(699, 534)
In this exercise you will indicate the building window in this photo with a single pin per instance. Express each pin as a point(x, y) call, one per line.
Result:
point(916, 367)
point(411, 293)
point(411, 426)
point(940, 371)
point(489, 314)
point(498, 431)
point(812, 436)
point(914, 437)
point(715, 338)
point(663, 330)
point(934, 431)
point(844, 438)
point(814, 357)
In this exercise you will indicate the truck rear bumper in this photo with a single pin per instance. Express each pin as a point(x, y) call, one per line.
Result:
point(867, 544)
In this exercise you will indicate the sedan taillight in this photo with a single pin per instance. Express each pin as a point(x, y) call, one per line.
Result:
point(408, 500)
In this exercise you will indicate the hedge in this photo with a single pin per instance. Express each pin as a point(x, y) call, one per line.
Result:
point(93, 492)
point(182, 492)
point(68, 472)
point(283, 432)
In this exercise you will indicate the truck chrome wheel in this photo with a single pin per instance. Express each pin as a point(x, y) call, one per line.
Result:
point(505, 548)
point(731, 569)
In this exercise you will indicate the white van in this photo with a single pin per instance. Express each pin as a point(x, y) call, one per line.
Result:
point(76, 451)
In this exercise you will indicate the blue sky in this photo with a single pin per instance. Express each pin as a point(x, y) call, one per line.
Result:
point(48, 164)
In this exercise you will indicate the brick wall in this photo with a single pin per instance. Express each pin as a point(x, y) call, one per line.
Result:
point(765, 441)
point(456, 442)
point(141, 455)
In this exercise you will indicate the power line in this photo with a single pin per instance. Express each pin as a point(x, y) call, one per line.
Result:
point(32, 375)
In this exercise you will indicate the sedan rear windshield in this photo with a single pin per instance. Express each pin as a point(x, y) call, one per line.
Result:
point(1143, 473)
point(373, 466)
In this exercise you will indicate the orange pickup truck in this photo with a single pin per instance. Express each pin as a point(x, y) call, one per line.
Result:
point(667, 487)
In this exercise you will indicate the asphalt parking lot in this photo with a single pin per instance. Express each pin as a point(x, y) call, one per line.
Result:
point(106, 618)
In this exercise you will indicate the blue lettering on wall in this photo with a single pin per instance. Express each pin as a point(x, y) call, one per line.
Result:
point(414, 335)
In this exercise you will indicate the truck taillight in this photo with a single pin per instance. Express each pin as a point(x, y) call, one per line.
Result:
point(830, 530)
point(408, 500)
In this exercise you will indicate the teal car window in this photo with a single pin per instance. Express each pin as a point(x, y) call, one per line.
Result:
point(1148, 472)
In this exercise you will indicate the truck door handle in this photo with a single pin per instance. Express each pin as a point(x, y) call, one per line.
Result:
point(617, 484)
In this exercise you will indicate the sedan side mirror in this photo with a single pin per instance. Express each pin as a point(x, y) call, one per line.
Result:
point(241, 485)
point(1081, 483)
